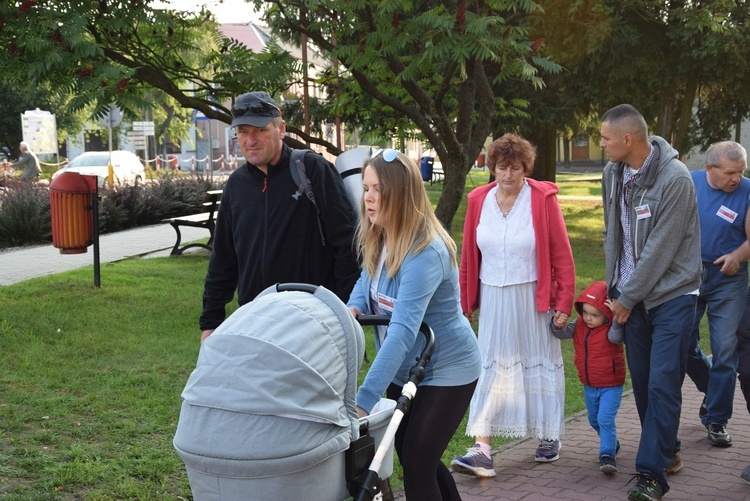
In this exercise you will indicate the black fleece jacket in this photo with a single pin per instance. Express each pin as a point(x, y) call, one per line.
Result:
point(265, 236)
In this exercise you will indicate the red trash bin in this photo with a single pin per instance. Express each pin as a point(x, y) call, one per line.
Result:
point(70, 196)
point(480, 160)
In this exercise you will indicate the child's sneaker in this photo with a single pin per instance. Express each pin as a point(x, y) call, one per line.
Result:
point(548, 451)
point(675, 464)
point(474, 462)
point(607, 464)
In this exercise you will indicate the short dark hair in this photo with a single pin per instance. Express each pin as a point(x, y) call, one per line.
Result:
point(627, 117)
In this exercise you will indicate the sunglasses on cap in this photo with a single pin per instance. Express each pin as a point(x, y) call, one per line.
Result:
point(259, 108)
point(389, 154)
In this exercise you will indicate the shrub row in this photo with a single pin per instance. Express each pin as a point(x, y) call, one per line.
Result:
point(25, 208)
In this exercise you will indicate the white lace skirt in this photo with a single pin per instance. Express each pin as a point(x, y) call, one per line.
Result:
point(521, 390)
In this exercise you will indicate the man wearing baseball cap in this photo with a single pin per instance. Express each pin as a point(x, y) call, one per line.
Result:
point(264, 233)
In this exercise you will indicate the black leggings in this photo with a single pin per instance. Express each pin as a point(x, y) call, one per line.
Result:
point(423, 436)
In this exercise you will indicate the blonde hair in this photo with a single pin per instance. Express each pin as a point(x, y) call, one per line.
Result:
point(405, 215)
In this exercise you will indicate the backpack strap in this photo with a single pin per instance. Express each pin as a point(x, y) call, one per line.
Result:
point(299, 174)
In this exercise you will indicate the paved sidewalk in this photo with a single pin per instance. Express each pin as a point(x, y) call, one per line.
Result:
point(31, 262)
point(710, 473)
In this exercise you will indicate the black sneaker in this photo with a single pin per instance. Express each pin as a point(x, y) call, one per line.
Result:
point(703, 410)
point(717, 434)
point(607, 464)
point(646, 489)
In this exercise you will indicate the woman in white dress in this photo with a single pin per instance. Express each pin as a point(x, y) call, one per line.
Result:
point(517, 269)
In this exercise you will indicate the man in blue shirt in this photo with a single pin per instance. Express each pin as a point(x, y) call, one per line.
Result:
point(723, 200)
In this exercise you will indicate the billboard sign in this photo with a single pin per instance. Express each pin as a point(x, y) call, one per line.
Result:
point(40, 131)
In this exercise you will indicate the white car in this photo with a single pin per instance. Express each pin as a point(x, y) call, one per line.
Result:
point(127, 168)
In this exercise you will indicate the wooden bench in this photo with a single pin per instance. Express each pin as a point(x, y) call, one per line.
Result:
point(206, 219)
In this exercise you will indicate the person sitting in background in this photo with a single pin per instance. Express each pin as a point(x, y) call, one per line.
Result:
point(29, 162)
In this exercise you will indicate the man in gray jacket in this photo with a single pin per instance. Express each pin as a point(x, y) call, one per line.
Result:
point(653, 261)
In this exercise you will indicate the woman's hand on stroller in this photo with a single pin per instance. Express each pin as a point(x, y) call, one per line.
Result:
point(361, 412)
point(355, 312)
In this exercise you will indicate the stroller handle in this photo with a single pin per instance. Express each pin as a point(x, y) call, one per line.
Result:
point(417, 372)
point(296, 287)
point(369, 487)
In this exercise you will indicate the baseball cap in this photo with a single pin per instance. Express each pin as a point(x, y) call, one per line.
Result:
point(254, 108)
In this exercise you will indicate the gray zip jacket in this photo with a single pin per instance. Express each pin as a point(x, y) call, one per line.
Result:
point(666, 240)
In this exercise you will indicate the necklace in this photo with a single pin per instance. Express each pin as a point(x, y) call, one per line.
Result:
point(503, 210)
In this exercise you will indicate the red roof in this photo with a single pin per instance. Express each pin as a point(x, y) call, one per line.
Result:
point(246, 33)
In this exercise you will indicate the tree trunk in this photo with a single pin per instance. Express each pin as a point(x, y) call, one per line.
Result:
point(665, 121)
point(453, 190)
point(737, 131)
point(544, 138)
point(546, 155)
point(686, 115)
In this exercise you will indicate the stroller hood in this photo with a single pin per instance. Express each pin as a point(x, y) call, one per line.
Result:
point(274, 388)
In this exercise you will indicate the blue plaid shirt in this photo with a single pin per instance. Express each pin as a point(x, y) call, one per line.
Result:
point(627, 256)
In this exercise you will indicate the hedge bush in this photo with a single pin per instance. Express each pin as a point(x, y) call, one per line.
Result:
point(24, 214)
point(25, 208)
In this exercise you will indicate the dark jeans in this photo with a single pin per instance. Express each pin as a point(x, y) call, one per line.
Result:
point(657, 345)
point(743, 351)
point(724, 296)
point(423, 436)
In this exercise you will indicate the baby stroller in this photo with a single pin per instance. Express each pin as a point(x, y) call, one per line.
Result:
point(270, 411)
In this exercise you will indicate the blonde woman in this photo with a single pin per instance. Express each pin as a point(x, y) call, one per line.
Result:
point(410, 273)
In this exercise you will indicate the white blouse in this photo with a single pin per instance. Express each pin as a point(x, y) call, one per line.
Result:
point(507, 243)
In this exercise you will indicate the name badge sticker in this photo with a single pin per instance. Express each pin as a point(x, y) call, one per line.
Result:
point(386, 302)
point(727, 214)
point(643, 212)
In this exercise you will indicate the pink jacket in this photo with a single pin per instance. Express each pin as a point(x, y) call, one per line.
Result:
point(556, 276)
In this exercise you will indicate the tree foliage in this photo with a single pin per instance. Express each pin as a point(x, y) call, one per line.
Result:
point(441, 65)
point(115, 51)
point(683, 64)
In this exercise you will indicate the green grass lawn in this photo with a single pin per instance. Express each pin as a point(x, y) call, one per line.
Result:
point(91, 379)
